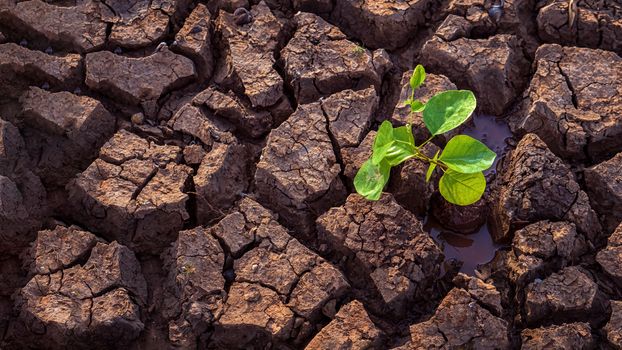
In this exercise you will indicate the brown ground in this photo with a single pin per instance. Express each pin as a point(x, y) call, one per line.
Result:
point(177, 174)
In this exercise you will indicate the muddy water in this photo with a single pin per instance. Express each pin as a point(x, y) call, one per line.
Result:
point(473, 249)
point(476, 248)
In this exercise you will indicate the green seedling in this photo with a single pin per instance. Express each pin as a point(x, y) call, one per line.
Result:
point(462, 162)
point(359, 49)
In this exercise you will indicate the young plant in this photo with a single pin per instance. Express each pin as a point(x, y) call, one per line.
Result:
point(462, 161)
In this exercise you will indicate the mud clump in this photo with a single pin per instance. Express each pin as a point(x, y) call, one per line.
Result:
point(24, 199)
point(249, 51)
point(560, 23)
point(298, 174)
point(114, 75)
point(63, 131)
point(566, 296)
point(133, 192)
point(460, 321)
point(610, 256)
point(543, 247)
point(385, 247)
point(21, 67)
point(490, 67)
point(351, 327)
point(319, 61)
point(68, 304)
point(79, 30)
point(603, 182)
point(574, 109)
point(566, 336)
point(194, 40)
point(274, 293)
point(537, 185)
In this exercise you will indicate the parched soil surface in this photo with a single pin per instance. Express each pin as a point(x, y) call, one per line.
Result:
point(178, 174)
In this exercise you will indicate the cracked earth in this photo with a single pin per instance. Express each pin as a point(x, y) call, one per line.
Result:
point(178, 174)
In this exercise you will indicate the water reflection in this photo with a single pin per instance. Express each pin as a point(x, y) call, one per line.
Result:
point(472, 249)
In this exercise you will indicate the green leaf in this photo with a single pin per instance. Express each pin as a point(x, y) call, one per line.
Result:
point(417, 106)
point(448, 110)
point(418, 77)
point(462, 189)
point(394, 145)
point(384, 135)
point(371, 179)
point(431, 168)
point(467, 155)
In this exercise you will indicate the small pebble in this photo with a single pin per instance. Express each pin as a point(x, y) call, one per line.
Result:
point(49, 50)
point(23, 42)
point(161, 46)
point(45, 86)
point(118, 51)
point(138, 118)
point(242, 16)
point(77, 91)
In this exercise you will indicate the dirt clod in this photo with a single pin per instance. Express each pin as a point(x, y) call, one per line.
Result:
point(537, 185)
point(351, 328)
point(576, 110)
point(114, 75)
point(298, 174)
point(133, 192)
point(567, 296)
point(319, 60)
point(67, 304)
point(383, 244)
point(566, 336)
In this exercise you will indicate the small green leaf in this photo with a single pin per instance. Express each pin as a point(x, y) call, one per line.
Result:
point(371, 179)
point(394, 145)
point(418, 77)
point(384, 135)
point(448, 110)
point(431, 167)
point(417, 106)
point(467, 155)
point(462, 189)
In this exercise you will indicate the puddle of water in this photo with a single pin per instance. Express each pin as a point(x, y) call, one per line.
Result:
point(476, 248)
point(472, 249)
point(493, 132)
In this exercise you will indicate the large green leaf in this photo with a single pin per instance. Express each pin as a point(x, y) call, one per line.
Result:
point(447, 110)
point(467, 155)
point(393, 145)
point(418, 77)
point(462, 189)
point(371, 179)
